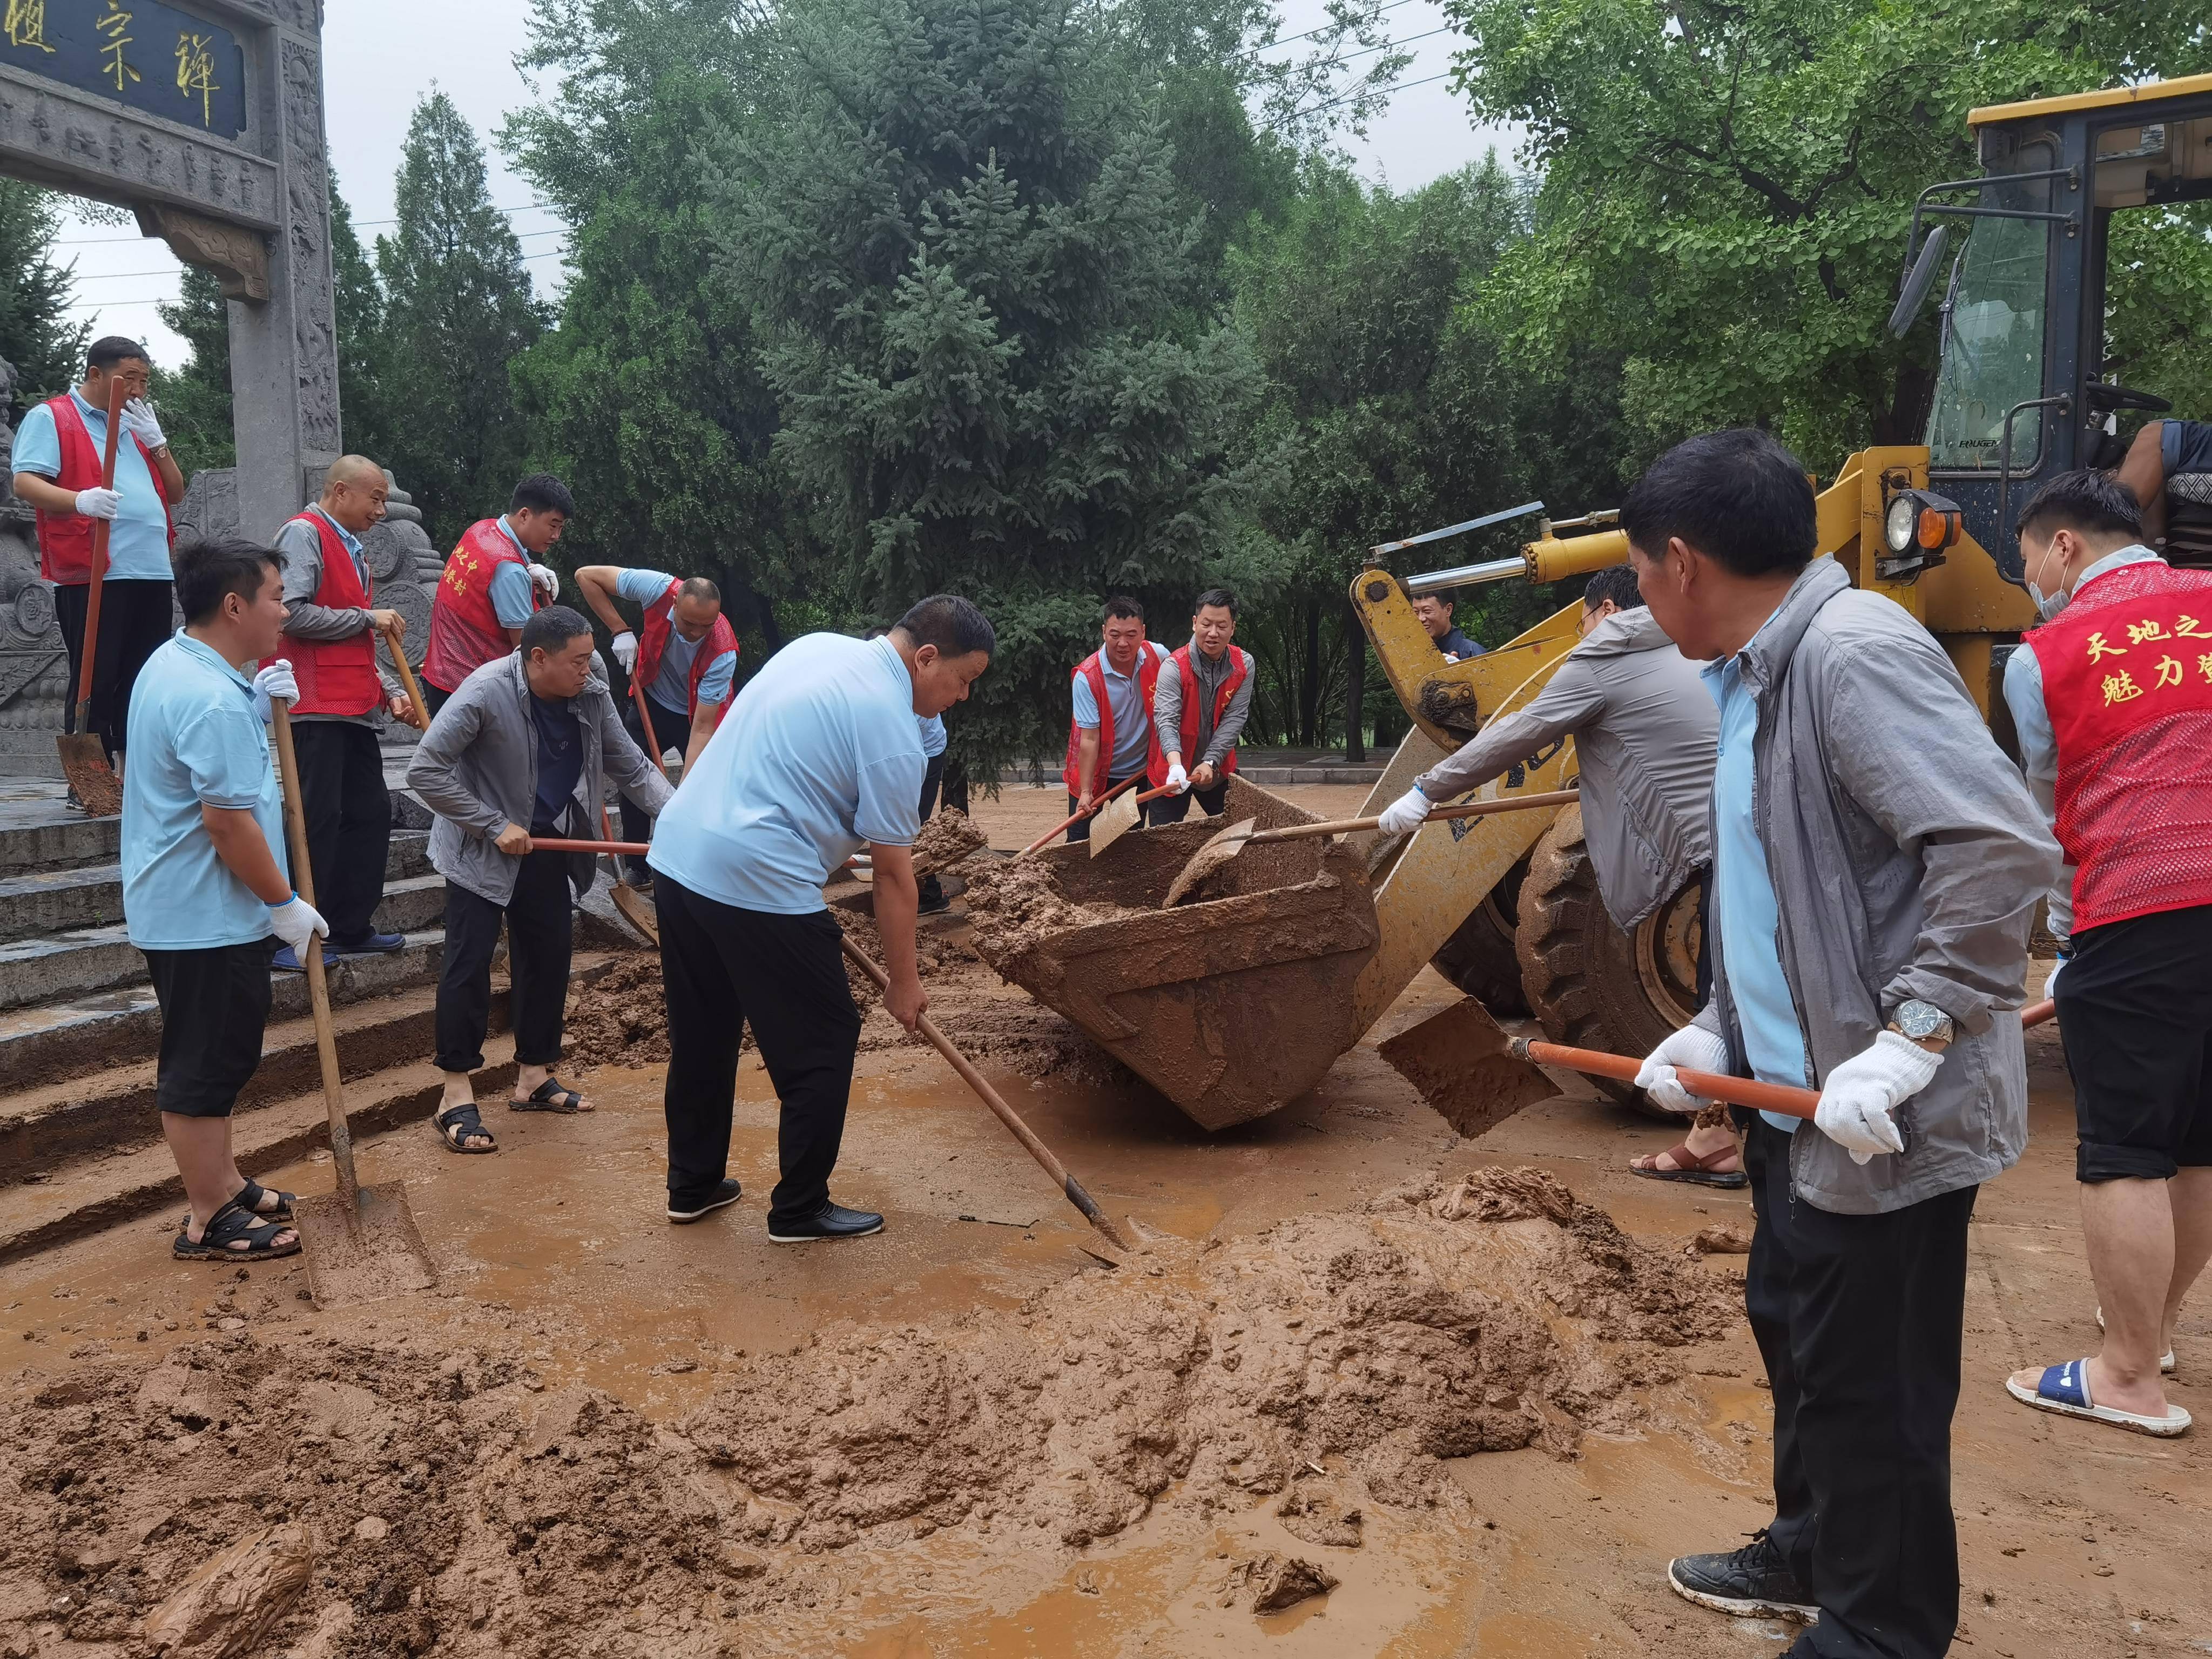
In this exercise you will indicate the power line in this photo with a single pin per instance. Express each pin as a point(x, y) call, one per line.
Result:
point(1325, 29)
point(1357, 92)
point(98, 241)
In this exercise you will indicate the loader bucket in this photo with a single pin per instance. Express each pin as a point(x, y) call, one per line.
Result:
point(1230, 1007)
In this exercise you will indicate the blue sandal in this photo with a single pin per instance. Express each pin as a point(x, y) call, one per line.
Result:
point(2064, 1389)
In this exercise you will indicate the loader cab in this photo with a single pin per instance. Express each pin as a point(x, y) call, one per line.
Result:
point(2020, 256)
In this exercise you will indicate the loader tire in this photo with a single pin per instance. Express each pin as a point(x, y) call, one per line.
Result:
point(1589, 984)
point(1482, 958)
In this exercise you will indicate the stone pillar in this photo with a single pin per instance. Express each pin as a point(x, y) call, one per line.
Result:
point(283, 351)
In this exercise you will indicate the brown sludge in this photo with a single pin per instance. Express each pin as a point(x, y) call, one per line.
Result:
point(1276, 1581)
point(457, 1504)
point(1014, 903)
point(949, 837)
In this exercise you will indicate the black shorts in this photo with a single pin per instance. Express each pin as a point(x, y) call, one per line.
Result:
point(2134, 1007)
point(215, 1005)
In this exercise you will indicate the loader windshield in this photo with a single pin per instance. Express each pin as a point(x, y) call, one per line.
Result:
point(1993, 330)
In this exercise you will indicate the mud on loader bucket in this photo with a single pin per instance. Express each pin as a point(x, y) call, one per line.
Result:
point(1231, 1006)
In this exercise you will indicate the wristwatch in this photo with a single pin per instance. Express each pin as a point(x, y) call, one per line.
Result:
point(1923, 1022)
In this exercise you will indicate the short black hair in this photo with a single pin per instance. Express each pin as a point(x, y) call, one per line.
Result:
point(950, 623)
point(550, 630)
point(112, 349)
point(1615, 582)
point(1449, 600)
point(1736, 495)
point(2085, 500)
point(698, 588)
point(1220, 596)
point(208, 569)
point(1123, 606)
point(541, 492)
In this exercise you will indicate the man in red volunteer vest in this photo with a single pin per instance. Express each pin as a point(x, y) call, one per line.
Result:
point(2113, 700)
point(56, 470)
point(1199, 710)
point(492, 584)
point(1109, 740)
point(346, 691)
point(687, 663)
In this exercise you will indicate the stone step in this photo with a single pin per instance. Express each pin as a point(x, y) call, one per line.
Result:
point(57, 898)
point(40, 835)
point(85, 960)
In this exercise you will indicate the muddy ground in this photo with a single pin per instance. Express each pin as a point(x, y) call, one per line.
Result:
point(1420, 1396)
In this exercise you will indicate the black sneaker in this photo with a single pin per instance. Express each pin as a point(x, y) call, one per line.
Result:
point(639, 881)
point(830, 1221)
point(1752, 1582)
point(685, 1211)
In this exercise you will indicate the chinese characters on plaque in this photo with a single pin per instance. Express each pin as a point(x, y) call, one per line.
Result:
point(149, 55)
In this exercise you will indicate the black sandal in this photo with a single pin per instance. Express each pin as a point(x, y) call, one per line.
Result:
point(550, 1096)
point(229, 1225)
point(249, 1197)
point(457, 1124)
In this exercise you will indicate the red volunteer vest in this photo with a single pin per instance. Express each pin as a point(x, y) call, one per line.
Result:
point(464, 630)
point(337, 677)
point(1240, 668)
point(2127, 678)
point(66, 538)
point(1093, 668)
point(653, 645)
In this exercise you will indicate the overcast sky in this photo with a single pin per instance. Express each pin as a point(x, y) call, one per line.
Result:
point(376, 67)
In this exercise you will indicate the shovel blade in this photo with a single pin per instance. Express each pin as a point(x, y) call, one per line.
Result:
point(364, 1256)
point(84, 764)
point(636, 912)
point(1208, 859)
point(1112, 821)
point(1464, 1066)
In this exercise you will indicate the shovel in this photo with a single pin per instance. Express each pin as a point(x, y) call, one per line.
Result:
point(84, 756)
point(407, 678)
point(1074, 818)
point(360, 1242)
point(1244, 834)
point(1120, 817)
point(1006, 1114)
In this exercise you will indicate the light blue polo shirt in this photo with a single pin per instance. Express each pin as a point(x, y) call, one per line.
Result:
point(512, 599)
point(194, 741)
point(1133, 715)
point(671, 687)
point(932, 736)
point(1745, 910)
point(819, 755)
point(139, 544)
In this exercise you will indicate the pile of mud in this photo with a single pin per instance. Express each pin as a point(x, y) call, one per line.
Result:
point(1015, 902)
point(449, 1500)
point(949, 837)
point(620, 1018)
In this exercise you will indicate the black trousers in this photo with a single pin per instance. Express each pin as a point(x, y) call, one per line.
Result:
point(348, 813)
point(133, 621)
point(1082, 831)
point(434, 698)
point(721, 967)
point(214, 1007)
point(1859, 1319)
point(930, 890)
point(2134, 1008)
point(538, 940)
point(1173, 809)
point(669, 728)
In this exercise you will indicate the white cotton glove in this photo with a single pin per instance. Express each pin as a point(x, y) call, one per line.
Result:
point(138, 421)
point(1177, 779)
point(1406, 814)
point(1861, 1094)
point(625, 650)
point(2050, 985)
point(1692, 1049)
point(296, 921)
point(98, 503)
point(274, 681)
point(547, 580)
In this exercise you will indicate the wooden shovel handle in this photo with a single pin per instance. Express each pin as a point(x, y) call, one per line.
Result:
point(1077, 817)
point(1474, 809)
point(101, 530)
point(645, 725)
point(619, 849)
point(407, 679)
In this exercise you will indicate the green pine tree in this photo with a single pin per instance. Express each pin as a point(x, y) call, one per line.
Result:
point(458, 312)
point(36, 334)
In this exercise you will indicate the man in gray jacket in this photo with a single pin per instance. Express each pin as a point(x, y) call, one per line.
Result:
point(1644, 727)
point(520, 750)
point(1876, 862)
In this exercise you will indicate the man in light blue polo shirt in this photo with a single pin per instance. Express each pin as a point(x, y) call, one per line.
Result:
point(204, 885)
point(820, 755)
point(59, 474)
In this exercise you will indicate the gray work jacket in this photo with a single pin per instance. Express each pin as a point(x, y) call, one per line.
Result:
point(1644, 729)
point(1906, 857)
point(477, 768)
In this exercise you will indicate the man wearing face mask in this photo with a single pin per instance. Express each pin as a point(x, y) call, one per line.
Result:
point(2113, 700)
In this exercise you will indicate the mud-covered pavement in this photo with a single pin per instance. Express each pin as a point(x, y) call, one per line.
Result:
point(603, 1435)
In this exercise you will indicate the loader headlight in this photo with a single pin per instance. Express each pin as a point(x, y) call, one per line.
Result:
point(1917, 521)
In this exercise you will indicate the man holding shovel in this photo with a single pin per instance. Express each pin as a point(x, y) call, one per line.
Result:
point(1876, 863)
point(1644, 729)
point(331, 638)
point(821, 754)
point(57, 470)
point(1109, 737)
point(1199, 712)
point(520, 750)
point(492, 583)
point(204, 879)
